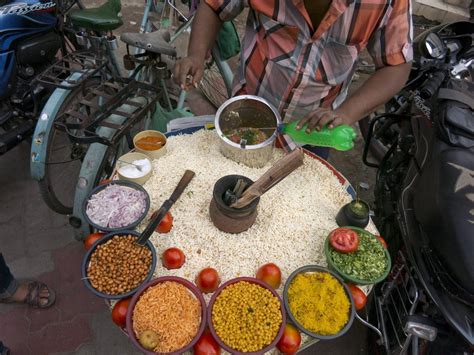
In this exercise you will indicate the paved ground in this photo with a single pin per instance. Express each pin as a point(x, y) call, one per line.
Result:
point(39, 244)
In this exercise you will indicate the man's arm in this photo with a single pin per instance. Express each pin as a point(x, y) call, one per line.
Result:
point(205, 27)
point(377, 90)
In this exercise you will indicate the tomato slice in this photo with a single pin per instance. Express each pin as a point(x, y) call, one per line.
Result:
point(381, 240)
point(360, 299)
point(344, 240)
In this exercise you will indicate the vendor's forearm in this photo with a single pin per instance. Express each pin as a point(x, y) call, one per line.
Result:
point(377, 90)
point(206, 25)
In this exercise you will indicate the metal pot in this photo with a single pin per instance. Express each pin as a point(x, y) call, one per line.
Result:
point(252, 112)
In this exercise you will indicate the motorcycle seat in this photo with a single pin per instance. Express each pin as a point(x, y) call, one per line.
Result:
point(102, 18)
point(156, 42)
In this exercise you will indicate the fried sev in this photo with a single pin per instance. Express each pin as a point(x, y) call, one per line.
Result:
point(171, 311)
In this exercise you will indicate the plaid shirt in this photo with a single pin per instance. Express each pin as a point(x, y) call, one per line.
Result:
point(298, 69)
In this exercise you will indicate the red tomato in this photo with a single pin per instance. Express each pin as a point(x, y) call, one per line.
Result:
point(208, 280)
point(344, 240)
point(173, 258)
point(290, 341)
point(206, 345)
point(104, 181)
point(360, 299)
point(271, 274)
point(119, 312)
point(166, 223)
point(381, 240)
point(91, 239)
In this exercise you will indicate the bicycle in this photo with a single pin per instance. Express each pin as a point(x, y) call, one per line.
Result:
point(94, 151)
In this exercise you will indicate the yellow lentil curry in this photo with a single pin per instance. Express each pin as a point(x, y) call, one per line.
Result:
point(246, 316)
point(319, 302)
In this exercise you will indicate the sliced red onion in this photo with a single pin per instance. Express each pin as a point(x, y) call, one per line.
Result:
point(116, 206)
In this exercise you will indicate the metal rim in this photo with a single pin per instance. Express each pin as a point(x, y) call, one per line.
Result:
point(116, 182)
point(221, 135)
point(317, 268)
point(85, 264)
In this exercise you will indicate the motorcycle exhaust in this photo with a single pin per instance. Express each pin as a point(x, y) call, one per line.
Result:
point(12, 138)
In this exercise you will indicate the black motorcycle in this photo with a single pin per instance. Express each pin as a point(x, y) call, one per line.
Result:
point(424, 200)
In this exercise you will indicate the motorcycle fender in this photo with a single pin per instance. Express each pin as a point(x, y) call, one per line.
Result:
point(43, 129)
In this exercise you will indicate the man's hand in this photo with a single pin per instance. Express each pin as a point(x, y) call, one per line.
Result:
point(321, 117)
point(188, 71)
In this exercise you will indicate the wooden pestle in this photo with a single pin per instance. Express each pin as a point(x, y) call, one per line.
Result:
point(280, 170)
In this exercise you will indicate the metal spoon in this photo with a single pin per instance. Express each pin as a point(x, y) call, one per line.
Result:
point(139, 167)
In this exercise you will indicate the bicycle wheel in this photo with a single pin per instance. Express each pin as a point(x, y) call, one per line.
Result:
point(213, 85)
point(63, 160)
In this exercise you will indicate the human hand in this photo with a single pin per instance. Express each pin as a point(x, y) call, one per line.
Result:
point(188, 71)
point(320, 117)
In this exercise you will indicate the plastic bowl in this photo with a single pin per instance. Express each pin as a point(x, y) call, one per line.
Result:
point(213, 331)
point(192, 288)
point(122, 183)
point(350, 278)
point(317, 268)
point(155, 153)
point(87, 257)
point(129, 158)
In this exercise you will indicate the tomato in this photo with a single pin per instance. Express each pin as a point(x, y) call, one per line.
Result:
point(173, 258)
point(119, 312)
point(344, 240)
point(91, 239)
point(290, 342)
point(381, 240)
point(208, 280)
point(206, 345)
point(271, 274)
point(360, 299)
point(104, 181)
point(166, 223)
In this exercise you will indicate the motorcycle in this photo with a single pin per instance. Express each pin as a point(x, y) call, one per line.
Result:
point(424, 200)
point(32, 33)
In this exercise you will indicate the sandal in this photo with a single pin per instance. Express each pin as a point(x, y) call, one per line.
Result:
point(33, 297)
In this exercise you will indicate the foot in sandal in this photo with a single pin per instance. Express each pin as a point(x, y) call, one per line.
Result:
point(34, 293)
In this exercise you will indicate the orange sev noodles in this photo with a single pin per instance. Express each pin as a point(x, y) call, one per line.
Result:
point(171, 311)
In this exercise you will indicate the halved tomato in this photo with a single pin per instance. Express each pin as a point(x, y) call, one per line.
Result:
point(344, 240)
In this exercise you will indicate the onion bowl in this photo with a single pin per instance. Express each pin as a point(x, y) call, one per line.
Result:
point(121, 183)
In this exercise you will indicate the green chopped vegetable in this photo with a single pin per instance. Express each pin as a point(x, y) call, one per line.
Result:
point(367, 263)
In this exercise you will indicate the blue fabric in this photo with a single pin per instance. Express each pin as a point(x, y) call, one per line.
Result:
point(322, 152)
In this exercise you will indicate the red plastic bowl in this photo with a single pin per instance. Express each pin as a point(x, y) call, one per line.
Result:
point(154, 282)
point(213, 331)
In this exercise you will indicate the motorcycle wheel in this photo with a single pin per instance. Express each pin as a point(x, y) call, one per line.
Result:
point(63, 160)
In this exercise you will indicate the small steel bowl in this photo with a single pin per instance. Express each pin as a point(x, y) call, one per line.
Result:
point(102, 187)
point(213, 330)
point(317, 268)
point(87, 258)
point(192, 288)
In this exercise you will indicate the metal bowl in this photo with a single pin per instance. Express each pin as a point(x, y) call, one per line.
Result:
point(213, 330)
point(247, 111)
point(191, 288)
point(317, 268)
point(106, 238)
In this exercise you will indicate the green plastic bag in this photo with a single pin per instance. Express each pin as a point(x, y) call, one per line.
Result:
point(161, 117)
point(228, 40)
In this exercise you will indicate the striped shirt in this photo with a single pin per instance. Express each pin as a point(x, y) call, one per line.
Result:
point(299, 69)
